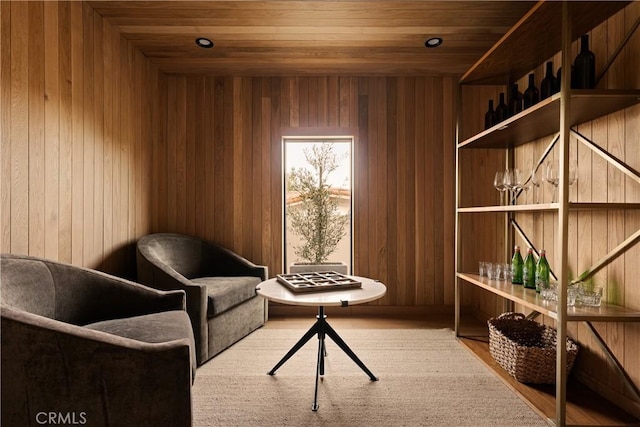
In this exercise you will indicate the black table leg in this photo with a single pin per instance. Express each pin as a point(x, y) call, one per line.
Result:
point(322, 329)
point(336, 338)
point(319, 371)
point(306, 337)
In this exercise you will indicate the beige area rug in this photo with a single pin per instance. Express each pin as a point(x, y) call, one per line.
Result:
point(426, 378)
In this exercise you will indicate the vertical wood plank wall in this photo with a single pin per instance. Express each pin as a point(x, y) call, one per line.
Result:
point(98, 149)
point(78, 119)
point(591, 234)
point(218, 169)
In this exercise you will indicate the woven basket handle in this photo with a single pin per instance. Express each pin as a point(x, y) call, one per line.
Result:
point(514, 316)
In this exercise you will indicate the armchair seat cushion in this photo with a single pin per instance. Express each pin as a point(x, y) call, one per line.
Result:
point(224, 293)
point(160, 327)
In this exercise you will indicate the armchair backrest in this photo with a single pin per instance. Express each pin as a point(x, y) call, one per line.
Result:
point(27, 285)
point(65, 292)
point(191, 257)
point(181, 253)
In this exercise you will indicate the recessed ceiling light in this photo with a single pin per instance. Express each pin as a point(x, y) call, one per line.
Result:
point(433, 42)
point(203, 42)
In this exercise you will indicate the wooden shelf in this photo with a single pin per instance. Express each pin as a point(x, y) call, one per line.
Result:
point(584, 407)
point(550, 207)
point(535, 39)
point(543, 119)
point(539, 207)
point(532, 300)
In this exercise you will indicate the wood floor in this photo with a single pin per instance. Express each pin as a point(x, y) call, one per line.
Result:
point(584, 407)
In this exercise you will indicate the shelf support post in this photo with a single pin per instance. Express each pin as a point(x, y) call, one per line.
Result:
point(604, 261)
point(614, 161)
point(563, 218)
point(457, 297)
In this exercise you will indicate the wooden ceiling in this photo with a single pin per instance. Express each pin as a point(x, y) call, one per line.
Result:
point(292, 37)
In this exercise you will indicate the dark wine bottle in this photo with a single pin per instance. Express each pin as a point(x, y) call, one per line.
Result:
point(548, 84)
point(502, 111)
point(490, 116)
point(558, 81)
point(585, 66)
point(515, 100)
point(531, 95)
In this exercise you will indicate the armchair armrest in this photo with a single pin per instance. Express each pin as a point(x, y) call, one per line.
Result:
point(49, 365)
point(224, 262)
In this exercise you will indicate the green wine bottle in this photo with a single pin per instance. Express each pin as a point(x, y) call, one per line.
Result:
point(517, 265)
point(542, 272)
point(529, 271)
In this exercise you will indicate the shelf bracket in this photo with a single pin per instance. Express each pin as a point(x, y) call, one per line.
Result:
point(617, 251)
point(613, 360)
point(619, 164)
point(543, 157)
point(617, 51)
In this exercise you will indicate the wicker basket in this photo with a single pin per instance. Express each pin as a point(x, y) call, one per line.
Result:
point(527, 349)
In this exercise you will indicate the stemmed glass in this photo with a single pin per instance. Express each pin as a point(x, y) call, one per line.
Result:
point(551, 176)
point(514, 181)
point(499, 183)
point(535, 180)
point(527, 184)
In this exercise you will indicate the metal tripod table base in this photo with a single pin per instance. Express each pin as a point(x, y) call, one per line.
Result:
point(322, 329)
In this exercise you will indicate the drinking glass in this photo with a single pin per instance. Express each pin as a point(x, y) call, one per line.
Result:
point(572, 294)
point(518, 183)
point(493, 271)
point(498, 183)
point(482, 268)
point(510, 184)
point(505, 274)
point(551, 176)
point(590, 298)
point(535, 180)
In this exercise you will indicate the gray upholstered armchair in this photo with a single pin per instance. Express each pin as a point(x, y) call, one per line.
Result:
point(220, 285)
point(86, 346)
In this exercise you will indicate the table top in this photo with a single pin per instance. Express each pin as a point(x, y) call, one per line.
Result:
point(371, 290)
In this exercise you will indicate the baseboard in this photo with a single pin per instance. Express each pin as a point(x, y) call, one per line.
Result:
point(395, 311)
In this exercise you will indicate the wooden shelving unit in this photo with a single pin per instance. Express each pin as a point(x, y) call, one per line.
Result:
point(542, 33)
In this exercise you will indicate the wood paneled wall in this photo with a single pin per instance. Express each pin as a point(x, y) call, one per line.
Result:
point(77, 122)
point(592, 234)
point(218, 169)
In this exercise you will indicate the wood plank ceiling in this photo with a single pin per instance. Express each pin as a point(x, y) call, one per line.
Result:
point(292, 37)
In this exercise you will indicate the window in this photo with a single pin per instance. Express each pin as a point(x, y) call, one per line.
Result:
point(317, 200)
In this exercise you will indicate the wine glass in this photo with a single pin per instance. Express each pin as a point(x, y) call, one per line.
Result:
point(499, 183)
point(527, 184)
point(514, 181)
point(551, 176)
point(535, 180)
point(518, 182)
